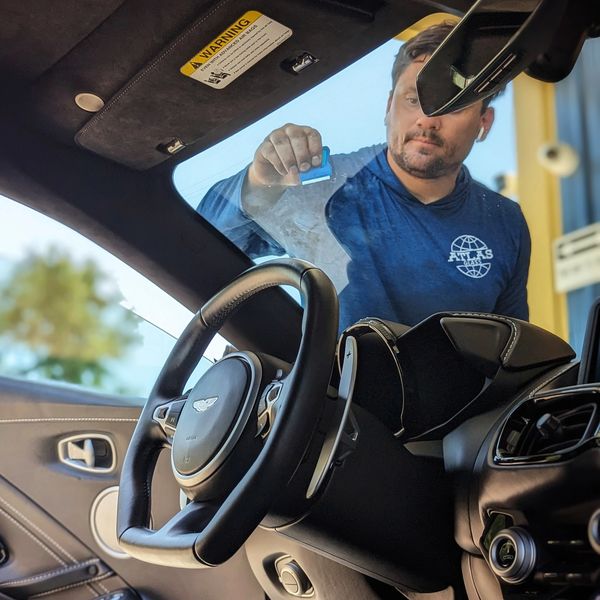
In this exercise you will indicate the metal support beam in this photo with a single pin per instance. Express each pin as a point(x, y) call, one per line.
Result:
point(539, 197)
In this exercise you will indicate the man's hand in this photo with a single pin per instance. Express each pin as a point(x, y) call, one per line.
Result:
point(283, 154)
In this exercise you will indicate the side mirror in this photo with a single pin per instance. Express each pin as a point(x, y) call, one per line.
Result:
point(492, 44)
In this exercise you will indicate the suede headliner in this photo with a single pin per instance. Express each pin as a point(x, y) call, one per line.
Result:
point(159, 104)
point(129, 53)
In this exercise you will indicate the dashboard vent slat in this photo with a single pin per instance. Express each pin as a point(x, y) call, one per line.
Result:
point(572, 430)
point(537, 430)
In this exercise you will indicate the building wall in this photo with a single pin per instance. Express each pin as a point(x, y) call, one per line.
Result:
point(578, 124)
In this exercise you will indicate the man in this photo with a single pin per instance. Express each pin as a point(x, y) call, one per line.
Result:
point(402, 229)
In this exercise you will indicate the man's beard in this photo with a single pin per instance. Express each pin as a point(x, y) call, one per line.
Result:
point(429, 169)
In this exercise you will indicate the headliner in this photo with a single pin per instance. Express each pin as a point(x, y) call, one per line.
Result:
point(129, 53)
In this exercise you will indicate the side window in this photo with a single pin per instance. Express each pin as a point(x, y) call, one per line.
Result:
point(72, 313)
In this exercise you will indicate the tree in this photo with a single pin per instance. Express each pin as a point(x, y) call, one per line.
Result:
point(66, 316)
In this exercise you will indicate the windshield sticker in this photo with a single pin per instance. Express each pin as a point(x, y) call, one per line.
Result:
point(239, 47)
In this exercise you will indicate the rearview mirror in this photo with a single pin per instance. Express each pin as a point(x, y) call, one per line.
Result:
point(491, 45)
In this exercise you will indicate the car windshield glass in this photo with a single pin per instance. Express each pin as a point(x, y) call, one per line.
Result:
point(328, 191)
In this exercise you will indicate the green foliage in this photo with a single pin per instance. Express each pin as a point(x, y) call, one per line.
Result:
point(67, 315)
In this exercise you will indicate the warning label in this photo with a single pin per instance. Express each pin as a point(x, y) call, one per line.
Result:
point(237, 49)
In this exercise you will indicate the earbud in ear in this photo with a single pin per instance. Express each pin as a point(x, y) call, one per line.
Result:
point(481, 134)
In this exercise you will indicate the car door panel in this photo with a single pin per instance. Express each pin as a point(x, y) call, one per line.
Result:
point(46, 505)
point(43, 557)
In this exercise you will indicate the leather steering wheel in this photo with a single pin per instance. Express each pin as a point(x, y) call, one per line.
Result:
point(238, 436)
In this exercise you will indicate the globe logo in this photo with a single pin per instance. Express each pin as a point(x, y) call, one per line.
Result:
point(470, 255)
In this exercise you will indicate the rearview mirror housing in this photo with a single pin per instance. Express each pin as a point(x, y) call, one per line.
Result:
point(494, 42)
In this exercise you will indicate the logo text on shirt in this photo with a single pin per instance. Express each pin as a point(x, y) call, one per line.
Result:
point(471, 254)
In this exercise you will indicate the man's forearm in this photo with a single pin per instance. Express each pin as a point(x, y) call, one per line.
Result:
point(258, 199)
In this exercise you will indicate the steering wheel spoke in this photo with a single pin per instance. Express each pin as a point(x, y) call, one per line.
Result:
point(173, 544)
point(167, 416)
point(268, 406)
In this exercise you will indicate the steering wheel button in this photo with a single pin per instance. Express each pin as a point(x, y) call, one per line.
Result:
point(173, 413)
point(172, 420)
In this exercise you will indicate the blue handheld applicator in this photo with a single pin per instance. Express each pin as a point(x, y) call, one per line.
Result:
point(321, 173)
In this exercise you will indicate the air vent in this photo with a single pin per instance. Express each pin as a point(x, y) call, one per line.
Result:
point(547, 429)
point(559, 431)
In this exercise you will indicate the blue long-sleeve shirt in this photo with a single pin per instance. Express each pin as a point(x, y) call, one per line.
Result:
point(389, 255)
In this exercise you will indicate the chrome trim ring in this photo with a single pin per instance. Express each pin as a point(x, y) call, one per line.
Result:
point(594, 531)
point(525, 554)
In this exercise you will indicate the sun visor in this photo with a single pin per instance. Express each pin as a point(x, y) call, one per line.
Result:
point(234, 63)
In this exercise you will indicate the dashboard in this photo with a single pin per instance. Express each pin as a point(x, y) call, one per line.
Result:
point(469, 457)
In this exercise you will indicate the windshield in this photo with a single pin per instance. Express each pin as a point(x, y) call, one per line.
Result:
point(408, 215)
point(509, 226)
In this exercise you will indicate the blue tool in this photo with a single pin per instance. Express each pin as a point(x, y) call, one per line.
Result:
point(321, 173)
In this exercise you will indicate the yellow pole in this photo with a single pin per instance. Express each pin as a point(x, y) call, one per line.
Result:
point(538, 190)
point(424, 23)
point(539, 197)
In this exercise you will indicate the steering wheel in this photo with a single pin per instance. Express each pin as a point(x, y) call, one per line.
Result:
point(238, 436)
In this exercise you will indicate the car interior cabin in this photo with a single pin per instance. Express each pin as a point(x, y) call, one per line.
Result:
point(276, 453)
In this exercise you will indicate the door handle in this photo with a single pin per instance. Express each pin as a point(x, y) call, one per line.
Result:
point(91, 452)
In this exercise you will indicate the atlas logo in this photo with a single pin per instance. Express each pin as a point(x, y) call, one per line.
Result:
point(471, 254)
point(204, 404)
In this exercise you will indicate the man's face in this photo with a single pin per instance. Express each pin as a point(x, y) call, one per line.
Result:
point(429, 147)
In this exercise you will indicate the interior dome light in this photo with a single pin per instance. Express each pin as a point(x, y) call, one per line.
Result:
point(89, 102)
